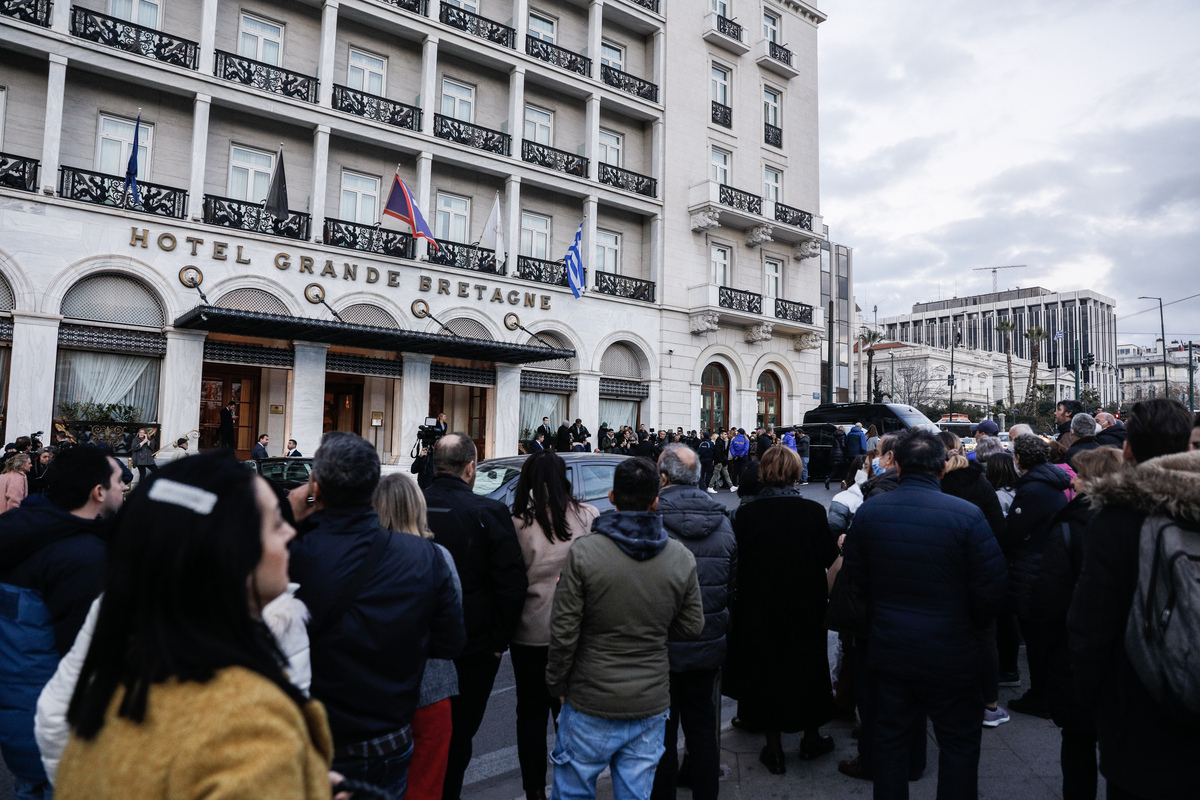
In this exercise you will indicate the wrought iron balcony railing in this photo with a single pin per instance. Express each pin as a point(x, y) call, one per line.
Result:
point(18, 172)
point(738, 300)
point(558, 56)
point(455, 130)
point(136, 39)
point(793, 216)
point(772, 134)
point(742, 201)
point(552, 158)
point(109, 190)
point(624, 286)
point(729, 28)
point(368, 238)
point(479, 26)
point(650, 4)
point(267, 77)
point(380, 109)
point(415, 6)
point(246, 216)
point(779, 53)
point(464, 256)
point(35, 11)
point(628, 83)
point(542, 271)
point(629, 181)
point(722, 114)
point(793, 312)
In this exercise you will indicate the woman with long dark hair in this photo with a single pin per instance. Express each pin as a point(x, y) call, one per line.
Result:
point(547, 518)
point(183, 691)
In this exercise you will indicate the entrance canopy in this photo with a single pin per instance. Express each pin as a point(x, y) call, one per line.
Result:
point(282, 326)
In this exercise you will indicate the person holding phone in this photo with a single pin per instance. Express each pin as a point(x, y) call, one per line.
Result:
point(143, 454)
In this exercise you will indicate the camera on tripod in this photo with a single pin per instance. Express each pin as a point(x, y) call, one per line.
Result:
point(429, 433)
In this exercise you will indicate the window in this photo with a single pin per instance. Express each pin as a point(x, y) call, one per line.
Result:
point(465, 5)
point(360, 198)
point(771, 104)
point(772, 180)
point(768, 400)
point(719, 257)
point(535, 236)
point(720, 85)
point(720, 165)
point(612, 55)
point(1151, 372)
point(595, 481)
point(608, 251)
point(610, 148)
point(541, 27)
point(458, 100)
point(260, 40)
point(538, 125)
point(714, 398)
point(771, 27)
point(452, 215)
point(367, 73)
point(116, 144)
point(139, 12)
point(250, 174)
point(721, 7)
point(772, 277)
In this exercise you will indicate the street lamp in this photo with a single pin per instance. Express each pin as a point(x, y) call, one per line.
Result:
point(1163, 330)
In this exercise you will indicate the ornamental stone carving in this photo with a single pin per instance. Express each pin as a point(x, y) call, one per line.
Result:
point(705, 219)
point(807, 249)
point(759, 234)
point(759, 333)
point(808, 340)
point(704, 321)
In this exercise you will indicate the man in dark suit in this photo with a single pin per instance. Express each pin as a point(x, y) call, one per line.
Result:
point(562, 441)
point(225, 433)
point(538, 443)
point(546, 431)
point(579, 430)
point(260, 449)
point(291, 451)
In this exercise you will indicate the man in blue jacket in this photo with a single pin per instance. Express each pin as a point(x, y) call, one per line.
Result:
point(739, 448)
point(932, 574)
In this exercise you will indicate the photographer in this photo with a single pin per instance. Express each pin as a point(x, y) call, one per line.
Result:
point(423, 466)
point(143, 454)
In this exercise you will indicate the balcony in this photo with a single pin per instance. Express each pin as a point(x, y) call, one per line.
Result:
point(18, 172)
point(776, 58)
point(738, 300)
point(465, 256)
point(367, 238)
point(455, 130)
point(711, 306)
point(713, 204)
point(650, 4)
point(380, 109)
point(267, 77)
point(628, 83)
point(479, 26)
point(772, 135)
point(793, 312)
point(558, 56)
point(136, 39)
point(420, 7)
point(624, 286)
point(793, 216)
point(239, 214)
point(542, 271)
point(722, 114)
point(35, 11)
point(629, 181)
point(724, 33)
point(558, 160)
point(109, 190)
point(740, 200)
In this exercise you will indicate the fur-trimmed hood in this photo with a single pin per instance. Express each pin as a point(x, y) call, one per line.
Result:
point(1167, 485)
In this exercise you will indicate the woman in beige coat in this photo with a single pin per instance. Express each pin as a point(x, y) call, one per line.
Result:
point(14, 481)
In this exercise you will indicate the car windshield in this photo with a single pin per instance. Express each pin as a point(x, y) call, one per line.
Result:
point(916, 419)
point(489, 479)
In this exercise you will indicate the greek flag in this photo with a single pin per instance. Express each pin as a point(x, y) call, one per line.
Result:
point(1058, 335)
point(576, 278)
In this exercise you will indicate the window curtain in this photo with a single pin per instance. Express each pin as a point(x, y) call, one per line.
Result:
point(535, 405)
point(619, 412)
point(105, 378)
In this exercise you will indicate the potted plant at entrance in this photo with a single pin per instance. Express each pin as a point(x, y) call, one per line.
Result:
point(112, 424)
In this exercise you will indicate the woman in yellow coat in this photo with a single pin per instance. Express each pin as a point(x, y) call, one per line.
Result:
point(183, 692)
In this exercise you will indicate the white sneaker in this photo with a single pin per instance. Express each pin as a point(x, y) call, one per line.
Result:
point(712, 490)
point(993, 719)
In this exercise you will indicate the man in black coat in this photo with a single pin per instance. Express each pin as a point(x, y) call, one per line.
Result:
point(1146, 751)
point(1112, 431)
point(803, 449)
point(545, 430)
point(479, 533)
point(700, 524)
point(645, 447)
point(1083, 434)
point(562, 440)
point(381, 604)
point(225, 432)
point(579, 431)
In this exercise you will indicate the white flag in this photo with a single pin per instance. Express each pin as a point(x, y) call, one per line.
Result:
point(493, 232)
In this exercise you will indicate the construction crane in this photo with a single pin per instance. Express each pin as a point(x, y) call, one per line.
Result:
point(993, 271)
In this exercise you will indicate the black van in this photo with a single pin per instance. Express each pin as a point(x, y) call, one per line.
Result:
point(886, 417)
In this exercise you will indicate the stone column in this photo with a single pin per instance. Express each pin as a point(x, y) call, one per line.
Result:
point(659, 61)
point(595, 31)
point(694, 413)
point(200, 110)
point(512, 226)
point(591, 207)
point(520, 22)
point(179, 382)
point(651, 407)
point(56, 86)
point(427, 100)
point(306, 409)
point(506, 428)
point(745, 413)
point(586, 403)
point(516, 109)
point(424, 198)
point(414, 401)
point(657, 155)
point(32, 367)
point(591, 135)
point(320, 173)
point(657, 258)
point(208, 36)
point(329, 19)
point(60, 21)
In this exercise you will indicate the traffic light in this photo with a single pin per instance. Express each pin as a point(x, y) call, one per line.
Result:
point(1089, 360)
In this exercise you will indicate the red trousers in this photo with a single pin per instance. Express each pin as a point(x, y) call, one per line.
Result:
point(431, 747)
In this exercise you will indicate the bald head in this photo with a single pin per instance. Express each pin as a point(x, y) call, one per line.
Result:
point(679, 464)
point(1019, 430)
point(1105, 419)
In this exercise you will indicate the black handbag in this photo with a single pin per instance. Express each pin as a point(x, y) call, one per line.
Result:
point(847, 611)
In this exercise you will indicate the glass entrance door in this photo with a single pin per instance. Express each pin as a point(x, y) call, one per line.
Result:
point(343, 407)
point(219, 385)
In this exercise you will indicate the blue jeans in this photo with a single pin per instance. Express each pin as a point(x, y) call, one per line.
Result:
point(586, 745)
point(804, 474)
point(389, 772)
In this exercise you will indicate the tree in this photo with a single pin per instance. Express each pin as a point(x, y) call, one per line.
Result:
point(1035, 336)
point(1006, 327)
point(866, 342)
point(915, 384)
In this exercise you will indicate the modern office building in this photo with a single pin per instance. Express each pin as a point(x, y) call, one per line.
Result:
point(679, 143)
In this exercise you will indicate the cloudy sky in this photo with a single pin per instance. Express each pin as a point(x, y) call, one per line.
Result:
point(1062, 134)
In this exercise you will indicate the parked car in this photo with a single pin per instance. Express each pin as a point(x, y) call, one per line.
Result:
point(820, 444)
point(284, 474)
point(886, 417)
point(590, 474)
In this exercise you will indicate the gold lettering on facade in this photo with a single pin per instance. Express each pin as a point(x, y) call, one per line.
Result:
point(329, 270)
point(306, 264)
point(545, 302)
point(463, 289)
point(283, 260)
point(239, 259)
point(163, 238)
point(497, 296)
point(426, 283)
point(530, 300)
point(372, 275)
point(219, 250)
point(349, 272)
point(135, 237)
point(194, 242)
point(443, 286)
point(480, 288)
point(393, 278)
point(514, 297)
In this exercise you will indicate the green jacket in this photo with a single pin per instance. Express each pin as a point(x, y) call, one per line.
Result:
point(624, 590)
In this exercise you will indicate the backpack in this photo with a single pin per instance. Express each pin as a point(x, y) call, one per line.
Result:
point(1164, 621)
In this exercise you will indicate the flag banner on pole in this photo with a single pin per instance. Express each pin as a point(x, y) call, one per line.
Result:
point(574, 262)
point(276, 203)
point(131, 169)
point(493, 233)
point(1058, 335)
point(400, 206)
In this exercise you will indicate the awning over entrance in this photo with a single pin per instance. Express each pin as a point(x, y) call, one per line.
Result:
point(281, 326)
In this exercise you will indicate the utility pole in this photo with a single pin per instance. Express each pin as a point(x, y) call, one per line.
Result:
point(1191, 380)
point(1076, 343)
point(831, 398)
point(1163, 330)
point(892, 355)
point(950, 380)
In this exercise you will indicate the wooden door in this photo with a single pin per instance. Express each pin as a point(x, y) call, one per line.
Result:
point(218, 385)
point(343, 407)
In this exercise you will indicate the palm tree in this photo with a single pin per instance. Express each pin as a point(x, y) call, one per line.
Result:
point(1035, 336)
point(1006, 327)
point(866, 341)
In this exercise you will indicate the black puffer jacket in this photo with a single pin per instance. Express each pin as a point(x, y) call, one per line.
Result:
point(700, 525)
point(882, 483)
point(1039, 497)
point(971, 484)
point(1112, 436)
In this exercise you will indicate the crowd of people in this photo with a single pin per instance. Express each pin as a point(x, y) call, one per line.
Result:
point(200, 637)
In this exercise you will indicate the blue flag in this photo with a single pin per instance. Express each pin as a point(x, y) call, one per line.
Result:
point(131, 168)
point(1058, 335)
point(576, 278)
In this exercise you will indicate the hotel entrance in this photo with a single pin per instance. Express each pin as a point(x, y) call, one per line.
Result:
point(343, 403)
point(220, 384)
point(465, 408)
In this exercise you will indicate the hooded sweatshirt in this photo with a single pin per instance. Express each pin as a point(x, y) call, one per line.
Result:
point(624, 590)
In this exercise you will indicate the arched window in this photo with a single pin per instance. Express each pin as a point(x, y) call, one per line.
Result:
point(250, 299)
point(467, 328)
point(620, 361)
point(113, 298)
point(714, 398)
point(367, 314)
point(768, 400)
